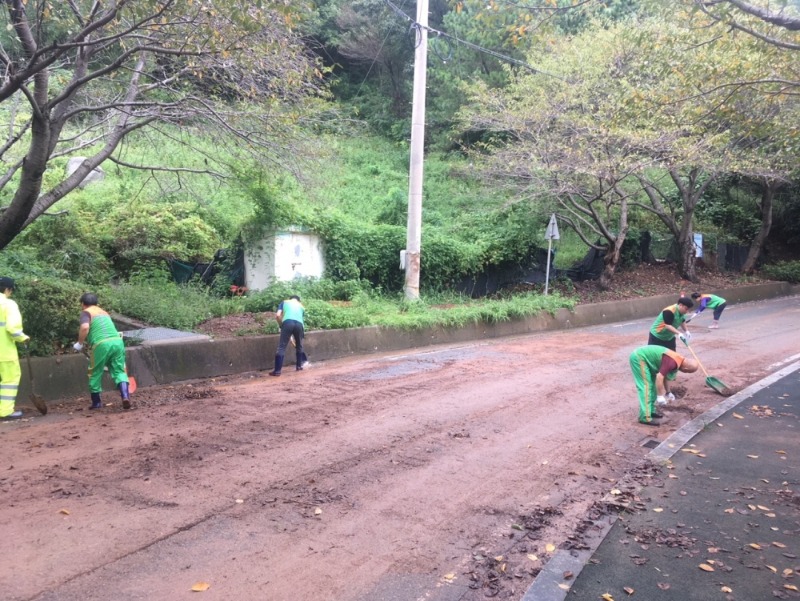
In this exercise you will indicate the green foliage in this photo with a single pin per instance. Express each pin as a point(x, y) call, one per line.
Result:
point(65, 245)
point(152, 298)
point(786, 271)
point(328, 316)
point(321, 289)
point(732, 209)
point(50, 309)
point(158, 231)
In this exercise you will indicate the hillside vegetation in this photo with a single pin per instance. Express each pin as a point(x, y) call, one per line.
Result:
point(618, 154)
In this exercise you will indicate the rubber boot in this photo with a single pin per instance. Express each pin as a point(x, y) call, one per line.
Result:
point(96, 404)
point(278, 366)
point(126, 397)
point(302, 361)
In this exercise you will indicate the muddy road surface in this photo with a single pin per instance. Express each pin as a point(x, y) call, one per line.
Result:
point(439, 474)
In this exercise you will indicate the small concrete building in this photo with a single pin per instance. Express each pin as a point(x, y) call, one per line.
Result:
point(282, 255)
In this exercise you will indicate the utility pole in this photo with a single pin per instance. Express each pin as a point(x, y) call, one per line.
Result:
point(414, 231)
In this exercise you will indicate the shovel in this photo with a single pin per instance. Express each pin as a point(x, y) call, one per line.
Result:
point(37, 401)
point(711, 381)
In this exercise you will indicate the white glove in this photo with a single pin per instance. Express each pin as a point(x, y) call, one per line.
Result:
point(688, 336)
point(78, 346)
point(670, 397)
point(684, 339)
point(660, 400)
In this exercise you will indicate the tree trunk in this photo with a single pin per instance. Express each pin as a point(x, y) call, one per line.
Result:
point(767, 196)
point(687, 261)
point(611, 261)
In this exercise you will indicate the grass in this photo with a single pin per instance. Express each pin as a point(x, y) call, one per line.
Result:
point(185, 307)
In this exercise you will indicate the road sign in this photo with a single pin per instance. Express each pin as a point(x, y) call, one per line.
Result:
point(552, 229)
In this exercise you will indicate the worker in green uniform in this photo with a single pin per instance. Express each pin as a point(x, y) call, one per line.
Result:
point(709, 301)
point(653, 368)
point(11, 335)
point(671, 322)
point(106, 350)
point(290, 316)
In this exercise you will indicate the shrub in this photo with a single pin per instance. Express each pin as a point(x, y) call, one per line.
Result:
point(50, 310)
point(152, 298)
point(786, 271)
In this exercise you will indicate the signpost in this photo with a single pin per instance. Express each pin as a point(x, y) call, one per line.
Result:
point(551, 234)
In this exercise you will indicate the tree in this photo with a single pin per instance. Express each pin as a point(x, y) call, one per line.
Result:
point(642, 105)
point(763, 21)
point(80, 76)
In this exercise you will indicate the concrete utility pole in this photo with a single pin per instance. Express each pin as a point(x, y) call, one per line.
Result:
point(414, 232)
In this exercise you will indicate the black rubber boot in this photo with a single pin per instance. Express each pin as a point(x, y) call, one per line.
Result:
point(278, 366)
point(96, 404)
point(126, 397)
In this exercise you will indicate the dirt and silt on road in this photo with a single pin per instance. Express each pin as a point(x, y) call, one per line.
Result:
point(443, 473)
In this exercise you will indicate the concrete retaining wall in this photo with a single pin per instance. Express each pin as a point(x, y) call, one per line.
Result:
point(167, 362)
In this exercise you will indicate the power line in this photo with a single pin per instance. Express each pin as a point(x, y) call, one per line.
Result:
point(476, 47)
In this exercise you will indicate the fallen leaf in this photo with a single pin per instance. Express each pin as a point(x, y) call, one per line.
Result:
point(565, 587)
point(550, 547)
point(753, 456)
point(705, 567)
point(779, 545)
point(663, 586)
point(772, 568)
point(503, 568)
point(730, 510)
point(770, 515)
point(64, 511)
point(781, 452)
point(240, 501)
point(791, 587)
point(199, 587)
point(693, 451)
point(616, 491)
point(532, 557)
point(754, 545)
point(788, 572)
point(567, 575)
point(628, 590)
point(673, 476)
point(317, 511)
point(737, 416)
point(498, 558)
point(449, 577)
point(607, 597)
point(658, 509)
point(762, 508)
point(726, 589)
point(751, 507)
point(713, 549)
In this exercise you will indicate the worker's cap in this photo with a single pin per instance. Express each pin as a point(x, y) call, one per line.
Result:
point(6, 283)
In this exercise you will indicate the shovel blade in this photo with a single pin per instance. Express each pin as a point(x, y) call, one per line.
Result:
point(717, 385)
point(39, 403)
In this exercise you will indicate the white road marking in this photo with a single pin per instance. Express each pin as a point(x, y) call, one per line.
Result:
point(784, 362)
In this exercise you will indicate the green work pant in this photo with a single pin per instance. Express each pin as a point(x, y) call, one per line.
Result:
point(107, 353)
point(645, 386)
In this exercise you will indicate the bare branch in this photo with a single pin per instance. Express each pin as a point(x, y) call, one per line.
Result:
point(167, 169)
